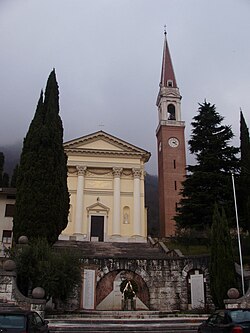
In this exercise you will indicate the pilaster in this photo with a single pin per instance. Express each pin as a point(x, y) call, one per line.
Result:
point(81, 171)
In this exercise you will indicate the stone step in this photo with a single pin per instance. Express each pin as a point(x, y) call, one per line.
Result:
point(114, 249)
point(115, 314)
point(166, 325)
point(8, 306)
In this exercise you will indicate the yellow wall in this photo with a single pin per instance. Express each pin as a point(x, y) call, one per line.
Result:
point(99, 186)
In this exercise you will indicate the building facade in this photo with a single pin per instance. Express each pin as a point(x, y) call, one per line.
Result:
point(170, 144)
point(106, 186)
point(7, 203)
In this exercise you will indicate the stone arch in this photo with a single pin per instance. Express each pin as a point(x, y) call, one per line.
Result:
point(109, 296)
point(137, 266)
point(192, 265)
point(192, 270)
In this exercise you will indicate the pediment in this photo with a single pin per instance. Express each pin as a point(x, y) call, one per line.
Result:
point(100, 143)
point(98, 207)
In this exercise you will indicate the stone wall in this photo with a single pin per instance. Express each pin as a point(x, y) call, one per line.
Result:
point(10, 294)
point(167, 281)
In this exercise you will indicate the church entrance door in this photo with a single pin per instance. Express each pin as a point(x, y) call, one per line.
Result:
point(97, 228)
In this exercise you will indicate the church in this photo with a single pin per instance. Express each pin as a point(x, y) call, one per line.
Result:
point(106, 175)
point(123, 268)
point(108, 219)
point(106, 186)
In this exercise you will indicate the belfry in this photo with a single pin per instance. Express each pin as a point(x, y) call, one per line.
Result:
point(170, 144)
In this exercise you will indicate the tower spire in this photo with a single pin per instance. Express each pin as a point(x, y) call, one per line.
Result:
point(171, 145)
point(167, 71)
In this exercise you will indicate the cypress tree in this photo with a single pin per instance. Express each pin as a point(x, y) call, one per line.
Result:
point(221, 270)
point(243, 193)
point(42, 200)
point(208, 181)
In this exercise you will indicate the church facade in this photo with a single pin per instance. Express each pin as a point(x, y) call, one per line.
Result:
point(106, 186)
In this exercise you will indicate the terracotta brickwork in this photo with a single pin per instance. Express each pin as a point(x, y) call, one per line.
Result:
point(171, 171)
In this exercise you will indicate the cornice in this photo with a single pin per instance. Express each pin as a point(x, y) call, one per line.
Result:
point(91, 152)
point(127, 149)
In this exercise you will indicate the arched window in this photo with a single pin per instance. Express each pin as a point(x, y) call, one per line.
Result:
point(171, 112)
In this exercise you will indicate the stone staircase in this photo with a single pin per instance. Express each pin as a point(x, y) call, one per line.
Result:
point(8, 306)
point(114, 249)
point(124, 321)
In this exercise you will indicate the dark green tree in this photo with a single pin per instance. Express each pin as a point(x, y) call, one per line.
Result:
point(208, 181)
point(39, 265)
point(243, 188)
point(42, 201)
point(6, 180)
point(152, 204)
point(14, 176)
point(221, 269)
point(4, 177)
point(1, 168)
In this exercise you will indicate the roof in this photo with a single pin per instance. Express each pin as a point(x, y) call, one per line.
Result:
point(107, 145)
point(167, 71)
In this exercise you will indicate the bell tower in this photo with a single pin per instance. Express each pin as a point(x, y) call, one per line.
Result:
point(170, 145)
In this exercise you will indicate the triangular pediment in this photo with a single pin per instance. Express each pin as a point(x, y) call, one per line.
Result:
point(102, 142)
point(99, 144)
point(97, 206)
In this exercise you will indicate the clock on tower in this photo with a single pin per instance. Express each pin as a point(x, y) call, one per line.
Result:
point(171, 139)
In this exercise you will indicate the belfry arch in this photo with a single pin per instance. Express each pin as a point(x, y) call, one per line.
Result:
point(171, 112)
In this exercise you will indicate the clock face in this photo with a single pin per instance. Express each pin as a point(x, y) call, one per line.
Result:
point(173, 142)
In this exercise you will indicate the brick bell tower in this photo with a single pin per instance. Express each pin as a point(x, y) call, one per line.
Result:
point(170, 145)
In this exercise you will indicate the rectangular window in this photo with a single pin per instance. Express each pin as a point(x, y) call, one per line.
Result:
point(174, 164)
point(6, 238)
point(9, 210)
point(175, 185)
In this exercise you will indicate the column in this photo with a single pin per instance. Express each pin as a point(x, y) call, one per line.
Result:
point(137, 202)
point(117, 202)
point(81, 170)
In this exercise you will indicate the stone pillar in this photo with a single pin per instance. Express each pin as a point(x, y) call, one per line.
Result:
point(79, 198)
point(117, 202)
point(137, 202)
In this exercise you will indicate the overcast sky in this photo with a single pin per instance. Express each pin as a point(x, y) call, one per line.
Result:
point(107, 55)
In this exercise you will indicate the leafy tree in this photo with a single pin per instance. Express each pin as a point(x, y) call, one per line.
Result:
point(39, 265)
point(42, 201)
point(222, 270)
point(208, 181)
point(243, 193)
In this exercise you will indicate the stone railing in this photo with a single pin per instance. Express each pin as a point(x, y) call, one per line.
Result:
point(9, 292)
